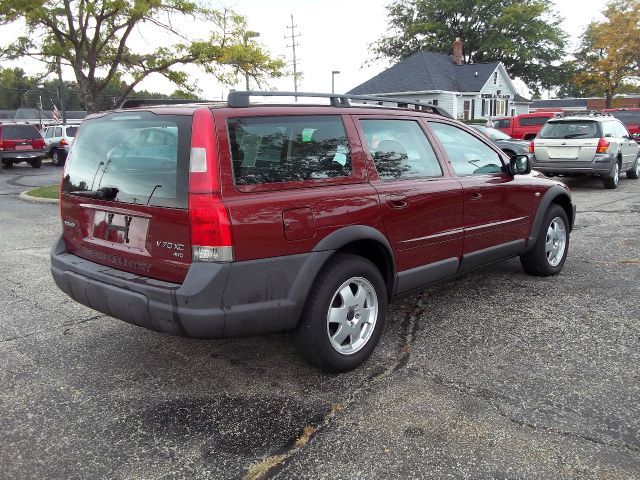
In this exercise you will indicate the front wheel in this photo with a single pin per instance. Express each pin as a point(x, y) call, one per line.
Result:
point(344, 315)
point(634, 173)
point(549, 253)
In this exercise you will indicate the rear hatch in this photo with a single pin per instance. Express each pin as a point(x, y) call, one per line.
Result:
point(125, 193)
point(20, 138)
point(567, 141)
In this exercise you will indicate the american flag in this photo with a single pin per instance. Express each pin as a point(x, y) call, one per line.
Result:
point(56, 114)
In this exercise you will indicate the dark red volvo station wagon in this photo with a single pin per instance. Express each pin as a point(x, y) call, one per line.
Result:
point(215, 220)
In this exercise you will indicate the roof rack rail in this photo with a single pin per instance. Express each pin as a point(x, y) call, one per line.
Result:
point(149, 102)
point(583, 113)
point(242, 99)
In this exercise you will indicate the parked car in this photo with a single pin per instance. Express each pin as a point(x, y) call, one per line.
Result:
point(524, 126)
point(589, 143)
point(21, 142)
point(510, 146)
point(630, 117)
point(310, 219)
point(58, 139)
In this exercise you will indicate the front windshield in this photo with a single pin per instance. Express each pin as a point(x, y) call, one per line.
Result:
point(492, 133)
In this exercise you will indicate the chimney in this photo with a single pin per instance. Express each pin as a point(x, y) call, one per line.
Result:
point(457, 51)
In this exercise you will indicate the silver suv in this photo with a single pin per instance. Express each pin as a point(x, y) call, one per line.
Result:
point(586, 143)
point(58, 139)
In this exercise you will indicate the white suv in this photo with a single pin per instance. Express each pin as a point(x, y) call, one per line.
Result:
point(586, 143)
point(58, 139)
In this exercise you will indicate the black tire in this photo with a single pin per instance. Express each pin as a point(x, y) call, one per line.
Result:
point(37, 163)
point(8, 164)
point(313, 333)
point(536, 261)
point(612, 180)
point(57, 157)
point(634, 172)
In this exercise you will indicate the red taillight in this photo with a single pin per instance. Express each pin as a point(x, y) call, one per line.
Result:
point(603, 145)
point(208, 216)
point(531, 147)
point(1, 145)
point(64, 142)
point(37, 143)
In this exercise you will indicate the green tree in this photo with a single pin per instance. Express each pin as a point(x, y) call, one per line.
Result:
point(525, 35)
point(609, 53)
point(91, 36)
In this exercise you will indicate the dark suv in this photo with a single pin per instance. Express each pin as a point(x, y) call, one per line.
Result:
point(222, 220)
point(21, 142)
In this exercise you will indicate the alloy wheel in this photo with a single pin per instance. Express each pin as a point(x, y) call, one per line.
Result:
point(352, 315)
point(556, 241)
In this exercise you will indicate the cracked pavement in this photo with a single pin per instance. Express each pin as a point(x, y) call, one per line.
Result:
point(493, 375)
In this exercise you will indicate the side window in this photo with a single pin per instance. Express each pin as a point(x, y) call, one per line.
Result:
point(288, 149)
point(531, 121)
point(622, 130)
point(400, 149)
point(609, 129)
point(468, 155)
point(58, 132)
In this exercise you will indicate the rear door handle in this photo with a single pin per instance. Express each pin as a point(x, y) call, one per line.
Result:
point(476, 196)
point(397, 201)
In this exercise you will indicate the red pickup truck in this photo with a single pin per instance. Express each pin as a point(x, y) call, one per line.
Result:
point(525, 126)
point(629, 116)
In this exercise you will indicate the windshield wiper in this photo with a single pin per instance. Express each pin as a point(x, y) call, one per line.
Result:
point(105, 193)
point(574, 135)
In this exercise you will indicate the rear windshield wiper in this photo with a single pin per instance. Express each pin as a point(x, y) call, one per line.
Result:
point(575, 135)
point(105, 193)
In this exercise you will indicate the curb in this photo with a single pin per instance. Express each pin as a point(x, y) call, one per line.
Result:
point(29, 198)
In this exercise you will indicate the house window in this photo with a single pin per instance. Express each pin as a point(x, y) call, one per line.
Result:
point(495, 78)
point(434, 102)
point(500, 107)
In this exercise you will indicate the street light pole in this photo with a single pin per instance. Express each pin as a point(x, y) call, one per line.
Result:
point(333, 80)
point(247, 35)
point(40, 107)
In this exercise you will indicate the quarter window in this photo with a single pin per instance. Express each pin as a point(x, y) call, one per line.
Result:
point(400, 149)
point(468, 155)
point(288, 149)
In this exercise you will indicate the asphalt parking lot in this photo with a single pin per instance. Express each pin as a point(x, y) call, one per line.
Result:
point(493, 375)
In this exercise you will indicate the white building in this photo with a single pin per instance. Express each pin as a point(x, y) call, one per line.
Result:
point(466, 91)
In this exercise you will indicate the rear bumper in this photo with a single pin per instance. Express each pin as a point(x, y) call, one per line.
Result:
point(601, 165)
point(22, 155)
point(214, 301)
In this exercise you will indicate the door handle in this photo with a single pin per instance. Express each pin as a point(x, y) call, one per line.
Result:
point(476, 196)
point(397, 201)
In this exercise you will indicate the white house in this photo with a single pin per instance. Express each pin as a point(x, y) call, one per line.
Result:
point(466, 91)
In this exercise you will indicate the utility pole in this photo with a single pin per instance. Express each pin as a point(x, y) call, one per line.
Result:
point(293, 46)
point(63, 108)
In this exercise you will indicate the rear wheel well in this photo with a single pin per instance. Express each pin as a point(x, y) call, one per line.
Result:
point(565, 203)
point(377, 254)
point(529, 136)
point(509, 152)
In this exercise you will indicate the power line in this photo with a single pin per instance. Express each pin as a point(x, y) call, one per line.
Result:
point(293, 46)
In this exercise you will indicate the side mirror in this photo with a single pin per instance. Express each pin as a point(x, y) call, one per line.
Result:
point(520, 165)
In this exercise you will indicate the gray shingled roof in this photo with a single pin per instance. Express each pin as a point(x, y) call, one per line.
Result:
point(425, 71)
point(561, 103)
